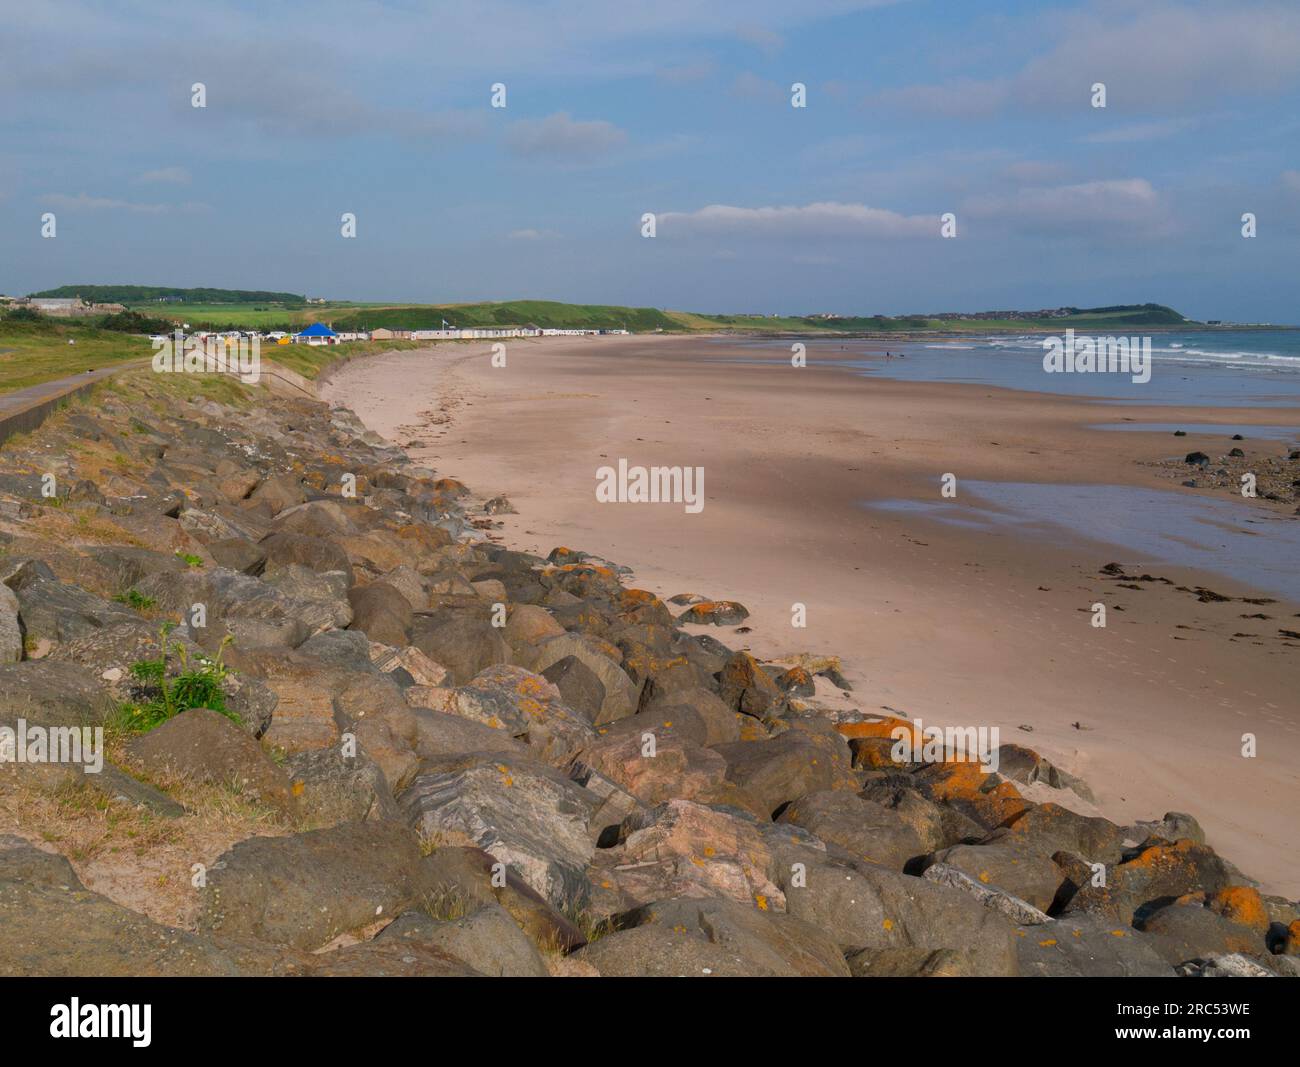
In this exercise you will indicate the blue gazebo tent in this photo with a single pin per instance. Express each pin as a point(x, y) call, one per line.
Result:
point(317, 334)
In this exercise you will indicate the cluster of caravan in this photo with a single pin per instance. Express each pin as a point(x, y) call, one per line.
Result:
point(476, 332)
point(320, 334)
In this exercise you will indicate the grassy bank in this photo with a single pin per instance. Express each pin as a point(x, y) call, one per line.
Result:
point(35, 352)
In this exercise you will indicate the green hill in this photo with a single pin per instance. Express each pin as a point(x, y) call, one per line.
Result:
point(152, 294)
point(546, 313)
point(1119, 316)
point(255, 309)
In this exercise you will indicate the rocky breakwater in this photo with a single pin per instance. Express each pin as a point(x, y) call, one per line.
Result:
point(345, 734)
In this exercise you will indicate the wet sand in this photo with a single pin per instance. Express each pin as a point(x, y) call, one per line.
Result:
point(948, 623)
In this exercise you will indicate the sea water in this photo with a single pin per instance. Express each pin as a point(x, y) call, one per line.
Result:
point(1144, 527)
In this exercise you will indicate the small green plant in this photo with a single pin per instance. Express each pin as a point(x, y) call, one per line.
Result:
point(197, 684)
point(189, 559)
point(136, 599)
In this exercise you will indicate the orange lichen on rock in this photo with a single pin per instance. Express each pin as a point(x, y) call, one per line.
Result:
point(880, 728)
point(1291, 943)
point(1240, 904)
point(963, 782)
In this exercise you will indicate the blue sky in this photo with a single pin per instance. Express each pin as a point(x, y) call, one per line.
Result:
point(914, 108)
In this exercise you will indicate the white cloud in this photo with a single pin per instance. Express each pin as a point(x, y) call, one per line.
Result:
point(820, 220)
point(1134, 132)
point(1128, 205)
point(1161, 57)
point(166, 176)
point(1034, 171)
point(964, 98)
point(686, 73)
point(751, 87)
point(85, 202)
point(765, 40)
point(563, 136)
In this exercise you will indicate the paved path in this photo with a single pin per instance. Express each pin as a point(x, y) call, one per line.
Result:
point(20, 399)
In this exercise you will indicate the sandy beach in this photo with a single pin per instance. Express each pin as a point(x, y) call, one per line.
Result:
point(966, 625)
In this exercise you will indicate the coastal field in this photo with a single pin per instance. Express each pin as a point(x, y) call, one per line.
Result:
point(820, 485)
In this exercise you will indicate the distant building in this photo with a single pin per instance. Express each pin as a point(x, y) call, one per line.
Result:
point(70, 307)
point(51, 305)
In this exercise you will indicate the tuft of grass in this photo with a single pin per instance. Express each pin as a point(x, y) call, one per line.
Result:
point(136, 599)
point(447, 904)
point(189, 559)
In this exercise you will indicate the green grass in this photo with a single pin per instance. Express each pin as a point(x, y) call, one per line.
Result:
point(136, 599)
point(195, 685)
point(310, 360)
point(34, 352)
point(348, 315)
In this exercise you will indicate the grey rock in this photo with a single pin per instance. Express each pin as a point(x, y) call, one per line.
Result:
point(526, 815)
point(1018, 911)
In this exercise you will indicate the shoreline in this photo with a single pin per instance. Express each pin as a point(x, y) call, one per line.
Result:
point(941, 623)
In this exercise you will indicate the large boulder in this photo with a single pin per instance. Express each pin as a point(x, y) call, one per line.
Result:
point(621, 695)
point(863, 906)
point(279, 491)
point(52, 693)
point(11, 631)
point(530, 624)
point(398, 737)
point(315, 553)
point(1180, 932)
point(683, 849)
point(869, 831)
point(788, 766)
point(381, 612)
point(1049, 828)
point(1007, 865)
point(486, 937)
point(472, 878)
point(58, 612)
point(526, 815)
point(54, 927)
point(1085, 946)
point(655, 766)
point(205, 746)
point(526, 706)
point(744, 686)
point(335, 785)
point(306, 889)
point(464, 644)
point(1156, 870)
point(1018, 911)
point(770, 942)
